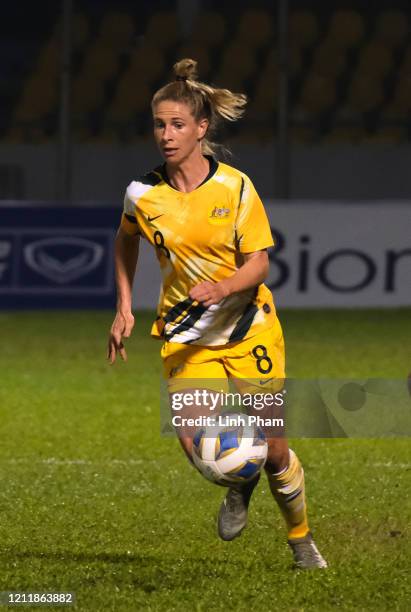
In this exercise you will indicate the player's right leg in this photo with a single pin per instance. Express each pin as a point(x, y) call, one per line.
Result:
point(241, 360)
point(233, 514)
point(183, 366)
point(191, 370)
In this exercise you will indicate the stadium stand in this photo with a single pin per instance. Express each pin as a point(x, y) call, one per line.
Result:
point(209, 31)
point(255, 29)
point(349, 70)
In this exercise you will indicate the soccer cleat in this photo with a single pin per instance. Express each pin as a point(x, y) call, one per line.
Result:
point(306, 554)
point(232, 517)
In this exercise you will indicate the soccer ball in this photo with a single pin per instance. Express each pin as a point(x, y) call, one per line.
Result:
point(232, 451)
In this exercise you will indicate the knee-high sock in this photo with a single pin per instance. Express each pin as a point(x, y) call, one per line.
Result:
point(288, 490)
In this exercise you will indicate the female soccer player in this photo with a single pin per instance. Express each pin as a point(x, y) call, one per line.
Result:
point(216, 317)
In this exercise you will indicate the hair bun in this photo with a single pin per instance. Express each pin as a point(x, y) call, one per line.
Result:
point(185, 69)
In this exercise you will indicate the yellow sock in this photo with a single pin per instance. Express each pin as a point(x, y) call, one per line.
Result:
point(288, 490)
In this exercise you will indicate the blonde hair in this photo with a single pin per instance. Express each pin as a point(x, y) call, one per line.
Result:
point(205, 101)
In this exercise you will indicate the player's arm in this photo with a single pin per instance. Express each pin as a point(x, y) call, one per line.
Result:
point(126, 248)
point(252, 273)
point(253, 229)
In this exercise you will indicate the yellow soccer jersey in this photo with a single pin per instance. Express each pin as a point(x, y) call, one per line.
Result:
point(199, 236)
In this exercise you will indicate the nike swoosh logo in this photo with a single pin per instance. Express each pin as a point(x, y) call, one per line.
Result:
point(264, 382)
point(154, 218)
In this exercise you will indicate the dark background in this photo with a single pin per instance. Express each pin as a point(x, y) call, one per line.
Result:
point(348, 106)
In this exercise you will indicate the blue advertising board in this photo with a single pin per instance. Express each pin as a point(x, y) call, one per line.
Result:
point(57, 257)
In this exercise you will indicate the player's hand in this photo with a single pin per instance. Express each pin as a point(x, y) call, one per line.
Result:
point(209, 293)
point(121, 328)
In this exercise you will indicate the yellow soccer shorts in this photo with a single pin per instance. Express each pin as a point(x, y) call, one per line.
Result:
point(257, 363)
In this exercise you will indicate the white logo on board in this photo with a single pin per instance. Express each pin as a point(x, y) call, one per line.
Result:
point(42, 257)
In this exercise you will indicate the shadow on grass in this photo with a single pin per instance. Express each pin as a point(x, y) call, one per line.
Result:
point(150, 571)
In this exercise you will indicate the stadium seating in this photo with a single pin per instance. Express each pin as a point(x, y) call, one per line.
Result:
point(364, 95)
point(264, 102)
point(130, 98)
point(209, 30)
point(100, 62)
point(303, 29)
point(329, 60)
point(254, 28)
point(48, 59)
point(346, 29)
point(349, 71)
point(162, 30)
point(88, 94)
point(343, 134)
point(295, 62)
point(37, 100)
point(400, 104)
point(200, 53)
point(146, 63)
point(405, 68)
point(387, 135)
point(237, 64)
point(392, 28)
point(375, 60)
point(116, 30)
point(80, 30)
point(318, 94)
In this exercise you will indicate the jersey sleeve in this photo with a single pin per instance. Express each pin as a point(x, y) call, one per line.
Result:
point(252, 226)
point(128, 219)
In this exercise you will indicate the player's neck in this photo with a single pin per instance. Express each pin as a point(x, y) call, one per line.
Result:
point(188, 175)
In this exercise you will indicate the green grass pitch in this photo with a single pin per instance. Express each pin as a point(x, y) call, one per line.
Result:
point(93, 500)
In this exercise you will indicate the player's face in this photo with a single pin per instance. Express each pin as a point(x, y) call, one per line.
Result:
point(176, 131)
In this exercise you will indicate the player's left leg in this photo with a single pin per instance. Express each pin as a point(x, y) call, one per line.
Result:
point(288, 489)
point(261, 370)
point(286, 479)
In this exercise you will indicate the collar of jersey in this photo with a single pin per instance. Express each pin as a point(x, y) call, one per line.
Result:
point(213, 170)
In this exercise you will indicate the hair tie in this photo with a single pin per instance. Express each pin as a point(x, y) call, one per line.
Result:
point(181, 78)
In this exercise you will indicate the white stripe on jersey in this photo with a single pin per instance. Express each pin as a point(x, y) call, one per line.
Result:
point(218, 317)
point(134, 192)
